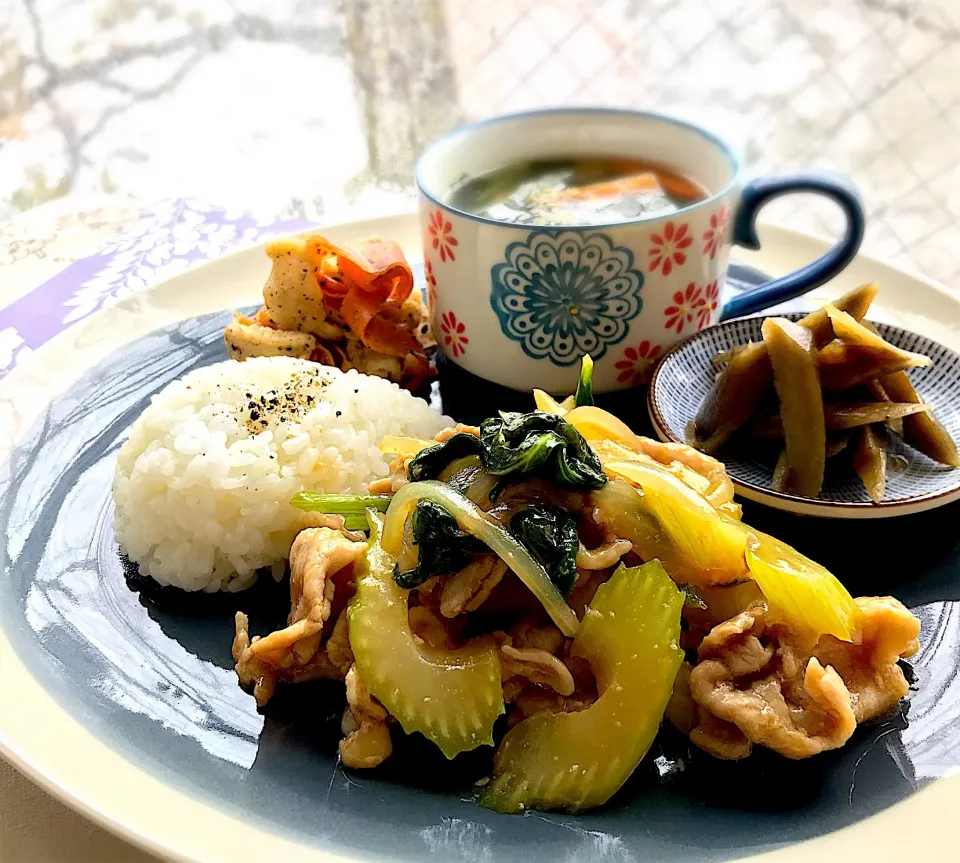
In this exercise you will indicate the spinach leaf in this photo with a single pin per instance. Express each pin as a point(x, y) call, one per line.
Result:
point(550, 535)
point(522, 443)
point(584, 394)
point(429, 463)
point(443, 548)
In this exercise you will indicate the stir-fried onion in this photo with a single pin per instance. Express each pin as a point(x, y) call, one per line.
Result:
point(474, 521)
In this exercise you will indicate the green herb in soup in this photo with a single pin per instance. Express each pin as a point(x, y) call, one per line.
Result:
point(592, 190)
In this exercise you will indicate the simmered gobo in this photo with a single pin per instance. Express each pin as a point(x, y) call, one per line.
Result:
point(878, 394)
point(734, 398)
point(452, 697)
point(838, 416)
point(922, 431)
point(793, 355)
point(870, 460)
point(843, 366)
point(579, 760)
point(860, 355)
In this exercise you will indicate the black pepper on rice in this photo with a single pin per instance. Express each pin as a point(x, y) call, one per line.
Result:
point(288, 403)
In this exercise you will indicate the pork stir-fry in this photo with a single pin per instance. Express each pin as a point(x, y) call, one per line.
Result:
point(531, 566)
point(756, 681)
point(296, 653)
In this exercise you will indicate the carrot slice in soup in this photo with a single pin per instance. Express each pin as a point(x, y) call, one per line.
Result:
point(645, 182)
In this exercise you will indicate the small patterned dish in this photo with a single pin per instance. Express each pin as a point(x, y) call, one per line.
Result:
point(914, 482)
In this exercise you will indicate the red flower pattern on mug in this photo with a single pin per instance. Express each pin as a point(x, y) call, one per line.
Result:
point(667, 249)
point(454, 334)
point(709, 304)
point(431, 283)
point(683, 308)
point(713, 236)
point(442, 232)
point(636, 363)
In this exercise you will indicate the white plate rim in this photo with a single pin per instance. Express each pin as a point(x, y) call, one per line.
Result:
point(41, 739)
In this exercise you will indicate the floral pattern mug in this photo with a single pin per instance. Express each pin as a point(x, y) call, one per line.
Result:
point(521, 304)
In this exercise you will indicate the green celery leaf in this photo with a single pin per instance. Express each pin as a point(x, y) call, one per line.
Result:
point(516, 443)
point(550, 535)
point(429, 463)
point(443, 549)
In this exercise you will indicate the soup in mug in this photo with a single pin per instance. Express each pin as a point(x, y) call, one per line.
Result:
point(585, 190)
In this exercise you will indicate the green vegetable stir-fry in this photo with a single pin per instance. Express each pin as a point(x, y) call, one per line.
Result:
point(580, 759)
point(515, 443)
point(550, 535)
point(584, 394)
point(442, 547)
point(353, 507)
point(488, 530)
point(539, 566)
point(431, 462)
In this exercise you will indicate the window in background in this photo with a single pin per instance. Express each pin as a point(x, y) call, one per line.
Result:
point(318, 108)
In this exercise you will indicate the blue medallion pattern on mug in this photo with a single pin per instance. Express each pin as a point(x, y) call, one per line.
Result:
point(563, 294)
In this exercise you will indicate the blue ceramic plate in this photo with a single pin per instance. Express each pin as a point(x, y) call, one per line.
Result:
point(914, 481)
point(131, 687)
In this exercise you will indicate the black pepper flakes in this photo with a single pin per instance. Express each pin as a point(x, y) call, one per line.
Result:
point(286, 404)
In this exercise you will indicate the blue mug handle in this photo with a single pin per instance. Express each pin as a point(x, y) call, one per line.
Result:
point(758, 192)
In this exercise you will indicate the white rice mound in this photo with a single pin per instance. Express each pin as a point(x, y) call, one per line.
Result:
point(203, 485)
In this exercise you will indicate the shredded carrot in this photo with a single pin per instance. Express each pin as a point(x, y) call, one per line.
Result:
point(332, 287)
point(368, 277)
point(361, 311)
point(380, 266)
point(375, 266)
point(387, 338)
point(262, 317)
point(681, 187)
point(645, 182)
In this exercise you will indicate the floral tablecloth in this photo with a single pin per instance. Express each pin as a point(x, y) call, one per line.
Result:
point(63, 261)
point(60, 263)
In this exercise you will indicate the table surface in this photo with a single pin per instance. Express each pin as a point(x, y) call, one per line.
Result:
point(52, 242)
point(35, 827)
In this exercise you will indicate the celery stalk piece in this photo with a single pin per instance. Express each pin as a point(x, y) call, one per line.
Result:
point(452, 697)
point(578, 760)
point(353, 507)
point(803, 594)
